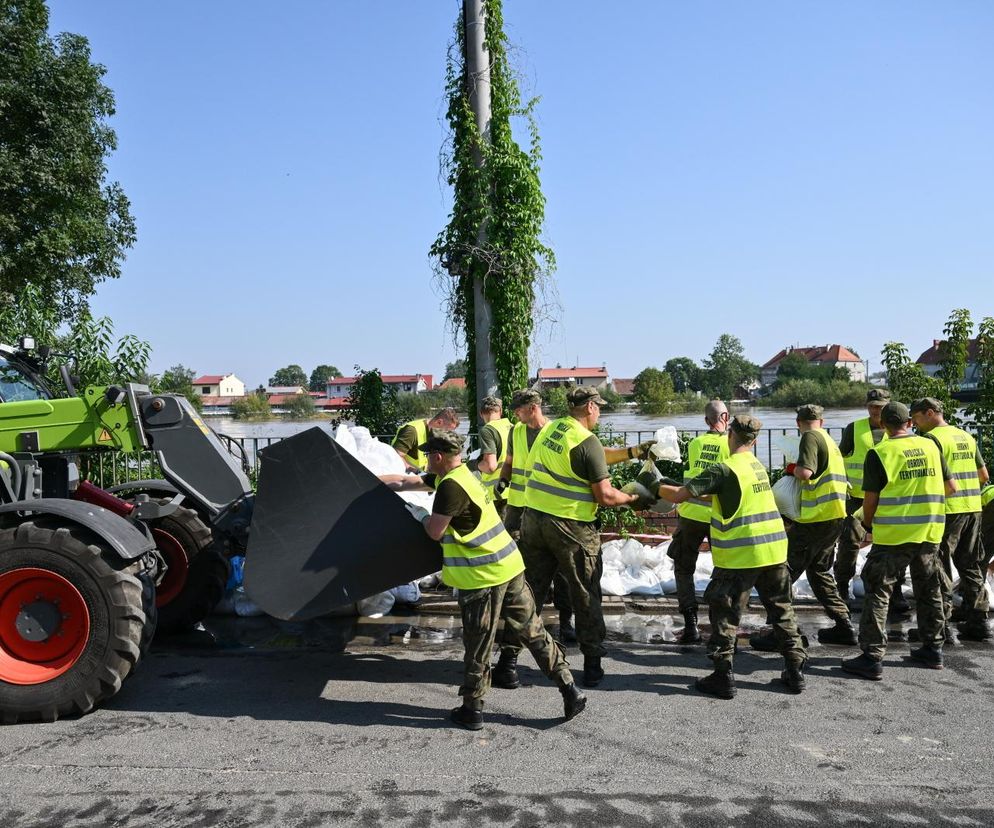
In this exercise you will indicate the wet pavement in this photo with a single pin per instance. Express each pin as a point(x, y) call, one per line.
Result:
point(255, 722)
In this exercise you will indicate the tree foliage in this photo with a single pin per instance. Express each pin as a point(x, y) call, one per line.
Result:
point(653, 390)
point(908, 381)
point(290, 376)
point(685, 373)
point(320, 376)
point(981, 412)
point(179, 380)
point(795, 367)
point(373, 404)
point(726, 368)
point(251, 407)
point(953, 350)
point(501, 195)
point(299, 407)
point(455, 370)
point(63, 227)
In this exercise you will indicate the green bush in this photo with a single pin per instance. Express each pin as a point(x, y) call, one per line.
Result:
point(251, 407)
point(836, 393)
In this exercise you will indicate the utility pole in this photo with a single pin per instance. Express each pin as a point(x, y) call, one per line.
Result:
point(478, 78)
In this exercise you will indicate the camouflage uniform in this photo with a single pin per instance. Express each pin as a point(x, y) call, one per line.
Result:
point(851, 535)
point(725, 595)
point(560, 589)
point(987, 550)
point(810, 548)
point(961, 547)
point(684, 549)
point(513, 603)
point(574, 548)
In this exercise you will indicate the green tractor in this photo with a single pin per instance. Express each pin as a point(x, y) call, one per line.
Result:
point(85, 574)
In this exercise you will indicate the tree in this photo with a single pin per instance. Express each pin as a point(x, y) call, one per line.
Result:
point(455, 370)
point(982, 411)
point(726, 368)
point(685, 373)
point(299, 407)
point(373, 404)
point(908, 381)
point(320, 377)
point(63, 227)
point(251, 407)
point(493, 239)
point(290, 376)
point(953, 350)
point(653, 390)
point(179, 380)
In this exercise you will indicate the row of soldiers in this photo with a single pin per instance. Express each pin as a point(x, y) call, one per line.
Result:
point(530, 516)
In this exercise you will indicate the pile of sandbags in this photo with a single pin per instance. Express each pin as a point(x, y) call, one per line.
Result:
point(632, 568)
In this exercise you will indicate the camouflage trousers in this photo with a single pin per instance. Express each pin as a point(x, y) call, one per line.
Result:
point(987, 553)
point(851, 535)
point(560, 589)
point(512, 603)
point(961, 547)
point(884, 566)
point(684, 549)
point(572, 547)
point(726, 594)
point(811, 549)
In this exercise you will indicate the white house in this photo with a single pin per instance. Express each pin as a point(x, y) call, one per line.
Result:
point(219, 385)
point(838, 356)
point(409, 383)
point(552, 377)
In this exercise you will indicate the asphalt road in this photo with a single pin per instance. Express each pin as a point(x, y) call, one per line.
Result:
point(289, 734)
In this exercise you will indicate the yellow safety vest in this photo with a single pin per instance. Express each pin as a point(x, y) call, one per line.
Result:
point(522, 460)
point(485, 557)
point(960, 451)
point(824, 498)
point(862, 438)
point(987, 495)
point(553, 488)
point(754, 535)
point(415, 459)
point(503, 428)
point(911, 508)
point(703, 452)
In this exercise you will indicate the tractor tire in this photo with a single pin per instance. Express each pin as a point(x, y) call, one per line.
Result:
point(198, 570)
point(52, 666)
point(151, 613)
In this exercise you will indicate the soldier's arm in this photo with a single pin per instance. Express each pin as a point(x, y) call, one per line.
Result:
point(436, 525)
point(984, 475)
point(405, 482)
point(870, 502)
point(606, 495)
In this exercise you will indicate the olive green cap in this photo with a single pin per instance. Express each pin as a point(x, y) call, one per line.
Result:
point(877, 396)
point(491, 403)
point(525, 397)
point(447, 442)
point(810, 412)
point(746, 426)
point(925, 403)
point(582, 395)
point(895, 413)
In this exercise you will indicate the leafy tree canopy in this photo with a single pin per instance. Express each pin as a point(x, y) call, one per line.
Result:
point(653, 390)
point(320, 377)
point(685, 373)
point(726, 368)
point(291, 375)
point(456, 369)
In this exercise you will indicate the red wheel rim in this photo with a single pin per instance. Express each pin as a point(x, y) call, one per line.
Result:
point(24, 661)
point(178, 567)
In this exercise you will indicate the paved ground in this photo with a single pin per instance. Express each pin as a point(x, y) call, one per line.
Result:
point(287, 733)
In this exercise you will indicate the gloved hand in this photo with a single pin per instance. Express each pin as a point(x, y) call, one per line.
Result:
point(649, 480)
point(789, 469)
point(645, 498)
point(641, 451)
point(669, 481)
point(419, 513)
point(501, 486)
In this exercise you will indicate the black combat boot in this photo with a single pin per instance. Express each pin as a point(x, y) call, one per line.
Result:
point(691, 634)
point(928, 657)
point(469, 714)
point(841, 633)
point(573, 700)
point(592, 671)
point(567, 632)
point(764, 641)
point(952, 639)
point(793, 677)
point(720, 684)
point(505, 673)
point(976, 630)
point(864, 667)
point(898, 603)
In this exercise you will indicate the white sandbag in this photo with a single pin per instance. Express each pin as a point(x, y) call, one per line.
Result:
point(789, 445)
point(361, 435)
point(375, 606)
point(666, 576)
point(655, 555)
point(611, 552)
point(611, 583)
point(345, 439)
point(802, 588)
point(430, 581)
point(406, 593)
point(632, 554)
point(639, 582)
point(702, 575)
point(787, 493)
point(379, 458)
point(667, 445)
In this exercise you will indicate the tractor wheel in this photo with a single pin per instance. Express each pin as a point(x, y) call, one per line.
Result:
point(71, 622)
point(151, 612)
point(197, 570)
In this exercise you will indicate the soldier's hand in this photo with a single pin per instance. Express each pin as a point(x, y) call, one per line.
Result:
point(501, 486)
point(641, 451)
point(643, 497)
point(419, 513)
point(649, 480)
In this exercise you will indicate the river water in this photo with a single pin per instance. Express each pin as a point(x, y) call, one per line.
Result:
point(635, 427)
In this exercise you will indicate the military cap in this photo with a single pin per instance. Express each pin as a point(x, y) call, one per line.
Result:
point(877, 396)
point(895, 413)
point(925, 403)
point(447, 442)
point(491, 403)
point(810, 412)
point(582, 395)
point(525, 397)
point(746, 426)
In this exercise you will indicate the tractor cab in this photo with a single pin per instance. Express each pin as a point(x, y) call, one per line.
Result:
point(20, 375)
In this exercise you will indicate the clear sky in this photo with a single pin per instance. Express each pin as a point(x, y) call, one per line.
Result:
point(790, 172)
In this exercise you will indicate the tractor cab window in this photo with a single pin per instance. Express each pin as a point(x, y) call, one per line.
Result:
point(17, 385)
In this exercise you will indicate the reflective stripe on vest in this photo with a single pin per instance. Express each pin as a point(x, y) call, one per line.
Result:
point(960, 452)
point(485, 557)
point(703, 452)
point(553, 488)
point(503, 428)
point(416, 458)
point(987, 495)
point(754, 536)
point(912, 503)
point(522, 458)
point(824, 498)
point(862, 438)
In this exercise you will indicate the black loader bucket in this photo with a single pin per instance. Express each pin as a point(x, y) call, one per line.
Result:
point(326, 532)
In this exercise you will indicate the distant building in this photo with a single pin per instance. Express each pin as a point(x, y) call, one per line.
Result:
point(287, 389)
point(624, 388)
point(930, 361)
point(221, 406)
point(219, 385)
point(838, 356)
point(552, 377)
point(410, 383)
point(451, 382)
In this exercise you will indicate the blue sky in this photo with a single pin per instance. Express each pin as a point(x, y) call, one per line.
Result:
point(792, 173)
